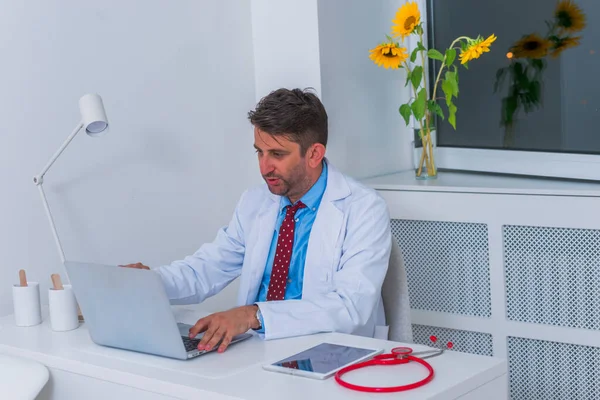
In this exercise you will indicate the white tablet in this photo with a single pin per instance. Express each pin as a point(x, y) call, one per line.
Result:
point(322, 361)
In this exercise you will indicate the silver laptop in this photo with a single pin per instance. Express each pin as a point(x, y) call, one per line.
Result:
point(128, 309)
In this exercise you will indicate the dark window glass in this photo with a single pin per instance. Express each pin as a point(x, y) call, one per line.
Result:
point(548, 99)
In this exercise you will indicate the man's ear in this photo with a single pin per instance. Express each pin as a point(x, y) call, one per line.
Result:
point(315, 154)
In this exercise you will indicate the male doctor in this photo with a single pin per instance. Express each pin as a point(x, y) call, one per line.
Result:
point(311, 247)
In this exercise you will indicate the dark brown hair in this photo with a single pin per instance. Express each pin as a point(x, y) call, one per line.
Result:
point(298, 115)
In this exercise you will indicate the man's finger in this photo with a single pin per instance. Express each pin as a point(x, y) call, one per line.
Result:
point(225, 343)
point(200, 326)
point(215, 339)
point(206, 337)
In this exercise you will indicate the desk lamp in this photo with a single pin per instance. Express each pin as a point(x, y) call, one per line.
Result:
point(93, 119)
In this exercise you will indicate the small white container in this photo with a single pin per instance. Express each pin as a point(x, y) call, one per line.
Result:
point(63, 309)
point(26, 304)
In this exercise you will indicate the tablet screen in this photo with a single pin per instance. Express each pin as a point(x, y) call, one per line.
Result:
point(324, 358)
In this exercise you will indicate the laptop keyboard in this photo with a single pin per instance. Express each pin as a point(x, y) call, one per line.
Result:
point(190, 344)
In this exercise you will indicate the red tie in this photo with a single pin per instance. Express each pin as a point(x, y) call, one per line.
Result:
point(283, 254)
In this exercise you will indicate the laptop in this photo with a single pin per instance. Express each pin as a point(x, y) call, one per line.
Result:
point(128, 309)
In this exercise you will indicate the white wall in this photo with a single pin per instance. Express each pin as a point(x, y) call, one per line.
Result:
point(177, 80)
point(368, 136)
point(325, 45)
point(285, 36)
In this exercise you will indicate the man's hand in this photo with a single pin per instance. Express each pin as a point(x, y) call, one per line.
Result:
point(224, 325)
point(136, 265)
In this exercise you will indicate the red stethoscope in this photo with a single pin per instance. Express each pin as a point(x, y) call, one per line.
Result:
point(397, 356)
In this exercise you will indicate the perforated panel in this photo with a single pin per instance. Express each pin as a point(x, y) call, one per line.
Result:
point(447, 265)
point(464, 341)
point(542, 370)
point(553, 275)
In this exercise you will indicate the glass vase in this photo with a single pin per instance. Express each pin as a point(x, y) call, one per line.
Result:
point(424, 155)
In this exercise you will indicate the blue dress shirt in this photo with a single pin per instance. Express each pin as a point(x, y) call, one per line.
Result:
point(304, 222)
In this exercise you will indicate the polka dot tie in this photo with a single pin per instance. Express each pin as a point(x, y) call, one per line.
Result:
point(283, 254)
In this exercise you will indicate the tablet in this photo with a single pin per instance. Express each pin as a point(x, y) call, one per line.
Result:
point(322, 361)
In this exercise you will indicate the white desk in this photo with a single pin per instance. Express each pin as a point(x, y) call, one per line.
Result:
point(81, 369)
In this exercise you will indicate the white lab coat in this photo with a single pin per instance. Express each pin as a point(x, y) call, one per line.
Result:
point(346, 261)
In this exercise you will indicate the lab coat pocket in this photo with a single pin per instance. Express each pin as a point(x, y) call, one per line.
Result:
point(326, 279)
point(327, 270)
point(331, 268)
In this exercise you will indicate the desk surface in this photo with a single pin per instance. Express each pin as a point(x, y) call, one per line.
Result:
point(238, 372)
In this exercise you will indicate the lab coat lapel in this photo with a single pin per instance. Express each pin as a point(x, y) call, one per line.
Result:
point(327, 232)
point(266, 219)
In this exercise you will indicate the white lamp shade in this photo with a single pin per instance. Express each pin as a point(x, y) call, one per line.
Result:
point(93, 116)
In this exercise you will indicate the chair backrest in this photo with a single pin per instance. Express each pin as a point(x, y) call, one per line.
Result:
point(395, 297)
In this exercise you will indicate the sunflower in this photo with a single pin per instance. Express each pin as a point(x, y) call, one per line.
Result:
point(388, 55)
point(531, 46)
point(407, 19)
point(569, 17)
point(565, 43)
point(475, 48)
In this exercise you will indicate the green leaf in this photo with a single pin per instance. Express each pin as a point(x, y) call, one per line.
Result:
point(518, 68)
point(466, 65)
point(537, 64)
point(436, 55)
point(447, 89)
point(452, 77)
point(413, 55)
point(405, 111)
point(408, 75)
point(435, 108)
point(500, 74)
point(416, 76)
point(415, 52)
point(535, 89)
point(452, 115)
point(509, 107)
point(450, 56)
point(521, 77)
point(418, 106)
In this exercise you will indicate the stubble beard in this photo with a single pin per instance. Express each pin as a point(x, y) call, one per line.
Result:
point(295, 185)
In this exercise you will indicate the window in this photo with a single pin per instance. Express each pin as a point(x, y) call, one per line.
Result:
point(543, 118)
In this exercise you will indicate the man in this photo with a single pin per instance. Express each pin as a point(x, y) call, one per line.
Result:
point(311, 247)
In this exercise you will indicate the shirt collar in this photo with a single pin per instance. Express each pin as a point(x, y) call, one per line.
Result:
point(313, 197)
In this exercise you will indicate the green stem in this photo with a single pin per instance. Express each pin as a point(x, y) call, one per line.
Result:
point(428, 145)
point(424, 80)
point(424, 140)
point(437, 80)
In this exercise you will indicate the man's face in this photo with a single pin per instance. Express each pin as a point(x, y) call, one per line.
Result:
point(281, 165)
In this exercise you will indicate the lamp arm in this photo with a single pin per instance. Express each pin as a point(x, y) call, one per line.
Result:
point(39, 180)
point(61, 253)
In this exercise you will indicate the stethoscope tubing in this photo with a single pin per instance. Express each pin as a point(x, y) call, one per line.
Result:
point(398, 356)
